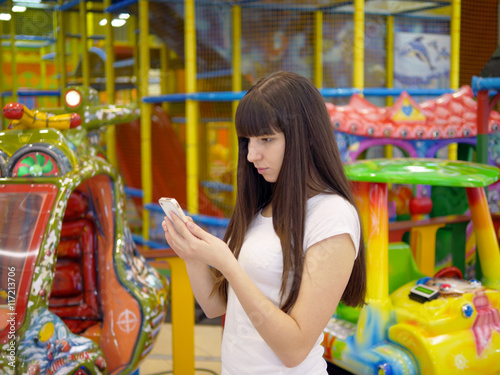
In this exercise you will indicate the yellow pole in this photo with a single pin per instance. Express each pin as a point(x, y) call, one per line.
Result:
point(318, 49)
point(90, 22)
point(164, 74)
point(389, 76)
point(43, 79)
point(487, 243)
point(73, 42)
point(236, 86)
point(132, 36)
point(110, 85)
point(361, 191)
point(13, 53)
point(61, 43)
point(377, 244)
point(454, 61)
point(182, 309)
point(146, 112)
point(146, 167)
point(57, 48)
point(359, 44)
point(375, 316)
point(84, 44)
point(389, 48)
point(455, 44)
point(191, 109)
point(183, 328)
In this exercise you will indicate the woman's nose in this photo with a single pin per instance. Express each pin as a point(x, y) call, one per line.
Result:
point(253, 153)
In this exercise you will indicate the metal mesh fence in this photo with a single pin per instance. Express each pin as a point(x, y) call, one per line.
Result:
point(32, 22)
point(479, 37)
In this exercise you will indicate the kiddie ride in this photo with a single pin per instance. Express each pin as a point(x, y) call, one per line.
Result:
point(415, 323)
point(75, 295)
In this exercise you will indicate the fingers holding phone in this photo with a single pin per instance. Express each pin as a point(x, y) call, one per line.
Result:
point(190, 242)
point(169, 206)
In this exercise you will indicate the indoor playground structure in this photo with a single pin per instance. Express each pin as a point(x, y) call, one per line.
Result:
point(412, 116)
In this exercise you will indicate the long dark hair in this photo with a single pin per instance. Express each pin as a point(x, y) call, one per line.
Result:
point(289, 103)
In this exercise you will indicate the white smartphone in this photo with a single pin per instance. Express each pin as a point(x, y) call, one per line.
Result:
point(170, 205)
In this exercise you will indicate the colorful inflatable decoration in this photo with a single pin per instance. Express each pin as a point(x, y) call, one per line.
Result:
point(418, 130)
point(76, 297)
point(415, 323)
point(450, 116)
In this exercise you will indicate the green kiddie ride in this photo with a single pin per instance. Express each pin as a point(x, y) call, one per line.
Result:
point(76, 297)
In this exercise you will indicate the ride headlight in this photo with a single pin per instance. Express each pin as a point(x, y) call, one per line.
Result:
point(73, 98)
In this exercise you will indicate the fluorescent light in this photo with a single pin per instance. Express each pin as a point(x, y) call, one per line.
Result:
point(117, 22)
point(103, 22)
point(5, 17)
point(19, 9)
point(124, 16)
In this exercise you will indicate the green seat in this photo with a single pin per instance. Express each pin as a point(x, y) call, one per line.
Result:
point(402, 266)
point(402, 269)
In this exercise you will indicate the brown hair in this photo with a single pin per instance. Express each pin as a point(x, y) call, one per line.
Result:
point(289, 103)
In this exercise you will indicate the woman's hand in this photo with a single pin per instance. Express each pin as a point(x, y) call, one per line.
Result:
point(191, 243)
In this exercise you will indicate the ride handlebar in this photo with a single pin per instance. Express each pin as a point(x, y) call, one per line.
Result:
point(24, 118)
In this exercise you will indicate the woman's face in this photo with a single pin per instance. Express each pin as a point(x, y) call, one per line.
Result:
point(266, 153)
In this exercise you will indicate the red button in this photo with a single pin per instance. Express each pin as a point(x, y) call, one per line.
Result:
point(445, 287)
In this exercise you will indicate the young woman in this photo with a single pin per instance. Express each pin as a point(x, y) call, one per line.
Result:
point(293, 247)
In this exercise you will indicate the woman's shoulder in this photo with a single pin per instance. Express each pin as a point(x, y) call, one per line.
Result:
point(330, 204)
point(329, 214)
point(326, 198)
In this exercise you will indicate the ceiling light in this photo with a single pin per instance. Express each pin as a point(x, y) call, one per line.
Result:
point(117, 22)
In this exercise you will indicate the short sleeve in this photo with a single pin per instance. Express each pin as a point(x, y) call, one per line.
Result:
point(330, 215)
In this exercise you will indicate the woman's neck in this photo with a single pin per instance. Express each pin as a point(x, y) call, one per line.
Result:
point(267, 211)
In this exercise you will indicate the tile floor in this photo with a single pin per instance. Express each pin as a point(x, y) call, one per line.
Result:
point(207, 343)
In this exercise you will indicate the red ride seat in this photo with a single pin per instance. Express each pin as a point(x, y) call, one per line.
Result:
point(74, 296)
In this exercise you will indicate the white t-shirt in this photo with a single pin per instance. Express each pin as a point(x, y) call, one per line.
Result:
point(243, 349)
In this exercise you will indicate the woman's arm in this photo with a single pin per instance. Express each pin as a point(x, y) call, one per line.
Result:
point(202, 281)
point(200, 276)
point(327, 269)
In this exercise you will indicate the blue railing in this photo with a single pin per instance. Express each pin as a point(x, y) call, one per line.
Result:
point(483, 83)
point(227, 96)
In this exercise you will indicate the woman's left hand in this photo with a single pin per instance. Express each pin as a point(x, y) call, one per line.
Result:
point(192, 243)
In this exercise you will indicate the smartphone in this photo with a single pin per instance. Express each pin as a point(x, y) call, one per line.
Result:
point(170, 205)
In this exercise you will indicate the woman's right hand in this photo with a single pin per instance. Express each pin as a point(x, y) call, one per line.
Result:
point(192, 243)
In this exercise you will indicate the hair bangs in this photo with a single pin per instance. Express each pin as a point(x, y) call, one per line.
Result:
point(255, 117)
